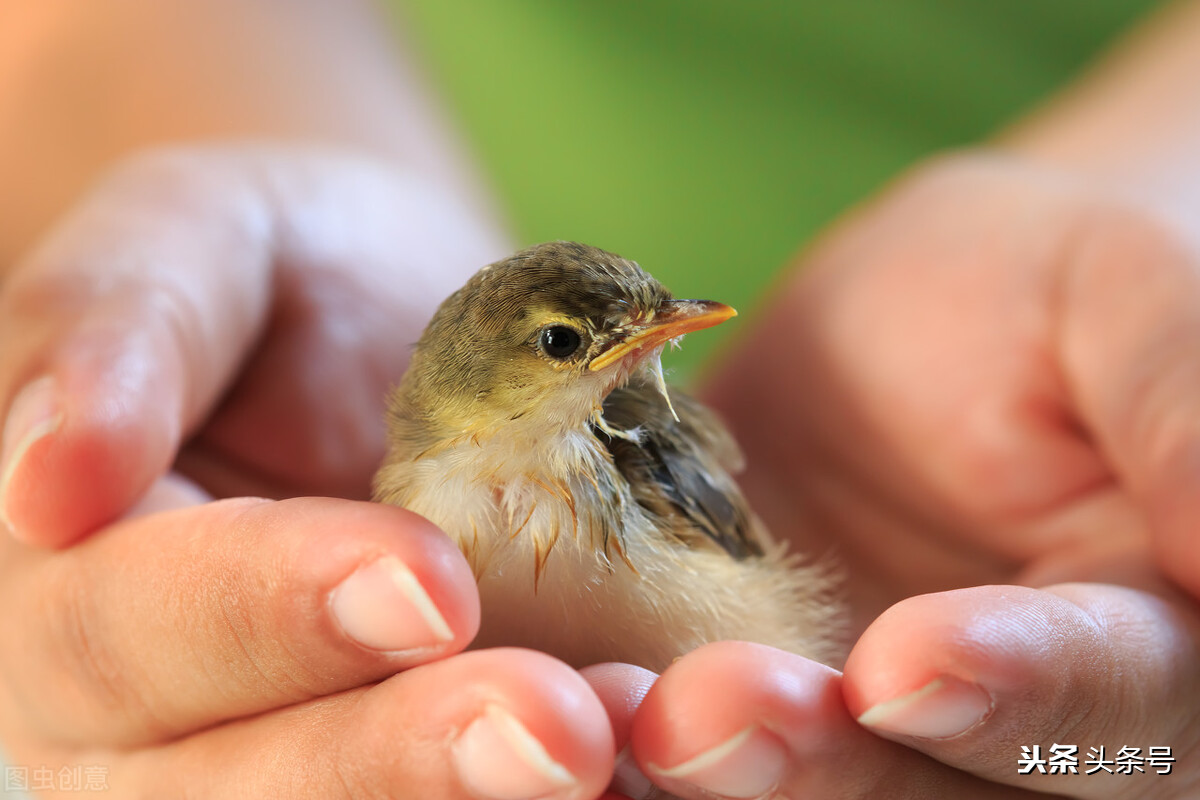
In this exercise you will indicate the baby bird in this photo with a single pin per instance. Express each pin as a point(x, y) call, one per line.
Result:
point(595, 505)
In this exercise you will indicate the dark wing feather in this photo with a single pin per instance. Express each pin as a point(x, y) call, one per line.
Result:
point(679, 471)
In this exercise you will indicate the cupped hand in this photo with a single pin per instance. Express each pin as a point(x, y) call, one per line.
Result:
point(236, 311)
point(986, 375)
point(979, 392)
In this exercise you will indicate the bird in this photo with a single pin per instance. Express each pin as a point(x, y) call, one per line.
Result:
point(595, 504)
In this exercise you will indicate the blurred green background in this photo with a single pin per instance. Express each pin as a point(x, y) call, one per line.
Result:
point(709, 139)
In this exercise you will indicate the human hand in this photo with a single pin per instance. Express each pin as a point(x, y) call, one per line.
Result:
point(238, 312)
point(266, 649)
point(984, 377)
point(248, 309)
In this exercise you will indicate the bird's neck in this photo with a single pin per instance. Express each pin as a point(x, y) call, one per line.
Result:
point(553, 443)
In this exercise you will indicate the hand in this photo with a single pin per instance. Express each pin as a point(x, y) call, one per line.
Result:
point(239, 312)
point(987, 376)
point(254, 651)
point(247, 309)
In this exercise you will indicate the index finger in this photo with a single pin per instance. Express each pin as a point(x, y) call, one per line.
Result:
point(117, 333)
point(120, 336)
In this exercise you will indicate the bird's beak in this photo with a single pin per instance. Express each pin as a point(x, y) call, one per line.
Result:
point(671, 319)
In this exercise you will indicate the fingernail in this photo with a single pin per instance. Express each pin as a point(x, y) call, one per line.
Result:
point(384, 607)
point(943, 708)
point(34, 414)
point(628, 778)
point(748, 765)
point(498, 758)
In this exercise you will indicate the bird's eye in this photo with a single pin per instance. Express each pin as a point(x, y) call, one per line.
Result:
point(559, 341)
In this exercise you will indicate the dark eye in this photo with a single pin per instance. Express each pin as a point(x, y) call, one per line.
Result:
point(559, 341)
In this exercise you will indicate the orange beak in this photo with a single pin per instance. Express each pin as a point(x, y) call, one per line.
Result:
point(672, 319)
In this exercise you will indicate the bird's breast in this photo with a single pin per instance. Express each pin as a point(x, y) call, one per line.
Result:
point(568, 562)
point(521, 505)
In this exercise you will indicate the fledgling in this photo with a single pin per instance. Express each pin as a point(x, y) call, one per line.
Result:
point(595, 505)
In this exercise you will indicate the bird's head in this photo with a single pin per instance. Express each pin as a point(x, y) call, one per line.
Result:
point(544, 336)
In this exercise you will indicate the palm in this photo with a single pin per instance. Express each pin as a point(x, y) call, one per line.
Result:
point(305, 416)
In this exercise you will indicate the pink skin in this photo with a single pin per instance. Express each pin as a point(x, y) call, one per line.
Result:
point(959, 392)
point(185, 633)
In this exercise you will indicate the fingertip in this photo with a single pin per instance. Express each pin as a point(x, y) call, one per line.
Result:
point(89, 434)
point(621, 688)
point(971, 676)
point(885, 662)
point(772, 707)
point(920, 654)
point(530, 726)
point(64, 488)
point(757, 681)
point(396, 583)
point(670, 714)
point(941, 709)
point(35, 415)
point(71, 473)
point(951, 668)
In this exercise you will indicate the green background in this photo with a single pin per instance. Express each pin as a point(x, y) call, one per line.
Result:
point(709, 139)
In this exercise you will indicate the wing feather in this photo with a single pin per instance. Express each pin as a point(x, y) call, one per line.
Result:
point(679, 470)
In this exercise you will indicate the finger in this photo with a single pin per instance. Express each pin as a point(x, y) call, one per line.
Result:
point(971, 677)
point(168, 623)
point(741, 720)
point(363, 256)
point(492, 724)
point(621, 688)
point(947, 398)
point(118, 336)
point(1134, 372)
point(167, 493)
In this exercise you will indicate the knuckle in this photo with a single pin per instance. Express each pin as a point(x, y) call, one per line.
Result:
point(387, 755)
point(146, 173)
point(94, 675)
point(258, 616)
point(252, 651)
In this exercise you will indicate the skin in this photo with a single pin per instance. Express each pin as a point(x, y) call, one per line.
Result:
point(1058, 316)
point(1105, 629)
point(1061, 373)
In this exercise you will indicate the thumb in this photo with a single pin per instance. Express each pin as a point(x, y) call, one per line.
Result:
point(1003, 681)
